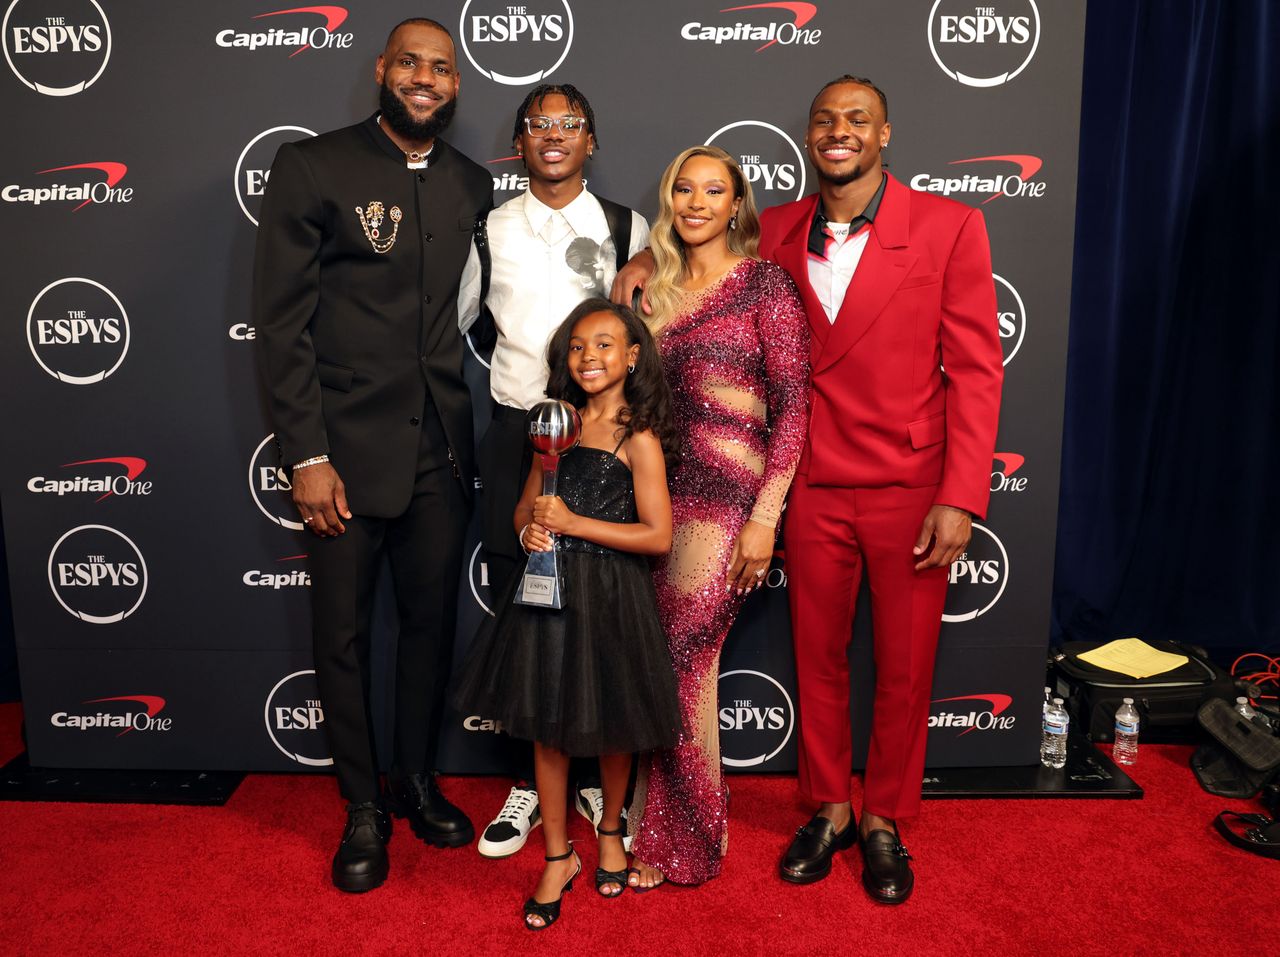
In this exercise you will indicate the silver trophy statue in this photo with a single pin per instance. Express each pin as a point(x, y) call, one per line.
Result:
point(554, 428)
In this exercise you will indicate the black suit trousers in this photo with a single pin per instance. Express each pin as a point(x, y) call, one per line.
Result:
point(424, 546)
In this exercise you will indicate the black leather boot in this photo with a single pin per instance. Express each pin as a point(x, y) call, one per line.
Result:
point(417, 797)
point(808, 859)
point(361, 863)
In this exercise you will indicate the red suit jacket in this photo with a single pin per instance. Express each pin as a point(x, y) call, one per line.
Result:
point(884, 412)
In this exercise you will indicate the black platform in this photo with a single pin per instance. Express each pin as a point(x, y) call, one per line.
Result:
point(19, 781)
point(1088, 773)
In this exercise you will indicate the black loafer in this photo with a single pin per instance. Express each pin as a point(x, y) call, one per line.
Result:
point(808, 859)
point(361, 863)
point(417, 797)
point(886, 867)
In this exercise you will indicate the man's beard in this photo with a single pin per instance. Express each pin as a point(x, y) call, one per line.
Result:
point(396, 115)
point(844, 178)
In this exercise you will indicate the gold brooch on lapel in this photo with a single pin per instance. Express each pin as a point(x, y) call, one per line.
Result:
point(371, 221)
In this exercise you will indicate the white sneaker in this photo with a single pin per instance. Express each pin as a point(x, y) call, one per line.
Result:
point(508, 831)
point(590, 804)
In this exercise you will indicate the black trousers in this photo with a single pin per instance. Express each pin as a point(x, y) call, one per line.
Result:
point(505, 459)
point(424, 546)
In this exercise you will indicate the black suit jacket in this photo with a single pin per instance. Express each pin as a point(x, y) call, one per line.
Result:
point(351, 339)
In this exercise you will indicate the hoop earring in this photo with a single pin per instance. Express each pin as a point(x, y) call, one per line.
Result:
point(631, 368)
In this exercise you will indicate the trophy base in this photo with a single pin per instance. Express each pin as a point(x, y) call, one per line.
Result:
point(540, 586)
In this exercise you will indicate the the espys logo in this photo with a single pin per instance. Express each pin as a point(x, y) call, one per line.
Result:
point(978, 577)
point(123, 717)
point(285, 577)
point(787, 25)
point(97, 574)
point(972, 717)
point(1011, 317)
point(757, 718)
point(253, 169)
point(527, 41)
point(1019, 185)
point(478, 579)
point(1004, 477)
point(270, 486)
point(769, 158)
point(983, 45)
point(301, 32)
point(59, 51)
point(74, 187)
point(113, 476)
point(77, 330)
point(293, 715)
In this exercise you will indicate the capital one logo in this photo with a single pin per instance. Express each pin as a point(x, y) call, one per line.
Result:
point(284, 576)
point(1011, 317)
point(77, 331)
point(293, 715)
point(969, 713)
point(270, 486)
point(111, 476)
point(977, 578)
point(1004, 469)
point(301, 30)
point(121, 712)
point(769, 158)
point(516, 44)
point(74, 186)
point(983, 45)
point(991, 183)
point(97, 574)
point(253, 169)
point(757, 718)
point(57, 49)
point(784, 24)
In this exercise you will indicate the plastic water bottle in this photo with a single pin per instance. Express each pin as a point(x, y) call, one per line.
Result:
point(1053, 744)
point(1244, 709)
point(1126, 747)
point(1048, 692)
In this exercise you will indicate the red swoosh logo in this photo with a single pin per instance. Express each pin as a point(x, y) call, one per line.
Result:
point(502, 159)
point(1010, 460)
point(291, 558)
point(333, 18)
point(803, 12)
point(133, 467)
point(1027, 165)
point(998, 702)
point(153, 704)
point(114, 172)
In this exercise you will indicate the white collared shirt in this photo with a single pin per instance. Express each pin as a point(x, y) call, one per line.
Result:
point(830, 277)
point(544, 262)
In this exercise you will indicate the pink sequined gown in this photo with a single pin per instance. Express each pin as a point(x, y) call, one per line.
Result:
point(738, 366)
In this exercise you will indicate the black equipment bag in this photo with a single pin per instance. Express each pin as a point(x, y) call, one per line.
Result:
point(1244, 755)
point(1167, 703)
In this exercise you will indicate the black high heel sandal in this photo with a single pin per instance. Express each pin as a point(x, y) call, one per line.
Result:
point(604, 877)
point(550, 911)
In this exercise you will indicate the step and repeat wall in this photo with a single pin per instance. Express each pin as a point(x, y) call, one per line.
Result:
point(157, 566)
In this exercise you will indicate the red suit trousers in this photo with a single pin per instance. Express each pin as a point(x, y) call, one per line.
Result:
point(832, 536)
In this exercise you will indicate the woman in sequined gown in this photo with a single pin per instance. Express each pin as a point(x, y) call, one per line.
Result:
point(735, 348)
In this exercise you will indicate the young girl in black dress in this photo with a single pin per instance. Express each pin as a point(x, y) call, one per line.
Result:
point(594, 678)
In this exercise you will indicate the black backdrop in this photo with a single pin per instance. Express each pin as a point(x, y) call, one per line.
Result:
point(179, 601)
point(1168, 516)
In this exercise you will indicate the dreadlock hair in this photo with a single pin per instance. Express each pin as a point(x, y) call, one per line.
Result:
point(647, 395)
point(861, 81)
point(570, 92)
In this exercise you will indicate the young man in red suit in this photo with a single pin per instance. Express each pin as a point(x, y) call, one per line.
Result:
point(907, 369)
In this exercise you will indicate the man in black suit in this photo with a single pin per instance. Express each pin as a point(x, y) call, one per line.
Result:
point(363, 237)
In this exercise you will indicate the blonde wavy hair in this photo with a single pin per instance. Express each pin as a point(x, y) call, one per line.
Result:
point(670, 269)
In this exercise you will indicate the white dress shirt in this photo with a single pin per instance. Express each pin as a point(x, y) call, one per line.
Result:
point(830, 277)
point(544, 262)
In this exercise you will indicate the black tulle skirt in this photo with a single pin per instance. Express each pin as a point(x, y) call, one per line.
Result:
point(592, 678)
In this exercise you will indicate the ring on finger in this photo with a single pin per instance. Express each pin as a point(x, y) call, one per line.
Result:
point(308, 520)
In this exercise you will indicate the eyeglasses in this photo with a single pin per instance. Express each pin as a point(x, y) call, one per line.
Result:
point(570, 126)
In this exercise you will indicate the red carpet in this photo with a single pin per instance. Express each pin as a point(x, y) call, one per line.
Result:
point(993, 877)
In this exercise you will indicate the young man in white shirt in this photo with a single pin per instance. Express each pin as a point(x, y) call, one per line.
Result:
point(539, 255)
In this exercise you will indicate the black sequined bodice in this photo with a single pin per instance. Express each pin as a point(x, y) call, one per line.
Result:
point(594, 483)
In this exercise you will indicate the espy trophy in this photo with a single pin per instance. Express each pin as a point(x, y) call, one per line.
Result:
point(554, 428)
